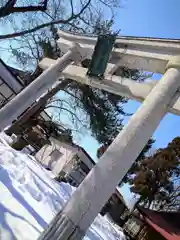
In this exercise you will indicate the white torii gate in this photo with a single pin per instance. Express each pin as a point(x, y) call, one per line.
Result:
point(159, 97)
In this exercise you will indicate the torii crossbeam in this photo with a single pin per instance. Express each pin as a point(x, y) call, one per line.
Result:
point(159, 97)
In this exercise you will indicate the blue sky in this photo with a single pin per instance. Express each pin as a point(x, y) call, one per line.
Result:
point(148, 18)
point(152, 18)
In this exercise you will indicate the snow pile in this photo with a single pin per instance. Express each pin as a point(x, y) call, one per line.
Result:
point(30, 198)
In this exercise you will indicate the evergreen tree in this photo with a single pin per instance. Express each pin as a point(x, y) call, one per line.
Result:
point(100, 112)
point(127, 178)
point(154, 178)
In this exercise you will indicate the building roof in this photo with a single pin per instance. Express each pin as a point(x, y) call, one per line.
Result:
point(13, 72)
point(23, 78)
point(165, 223)
point(87, 154)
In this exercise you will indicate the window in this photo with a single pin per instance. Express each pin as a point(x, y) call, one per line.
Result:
point(84, 167)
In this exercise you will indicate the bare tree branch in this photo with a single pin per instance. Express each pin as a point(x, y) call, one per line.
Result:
point(74, 116)
point(72, 8)
point(9, 8)
point(74, 26)
point(59, 101)
point(59, 21)
point(10, 4)
point(71, 94)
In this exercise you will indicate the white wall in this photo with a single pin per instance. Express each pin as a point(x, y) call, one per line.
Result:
point(64, 161)
point(67, 154)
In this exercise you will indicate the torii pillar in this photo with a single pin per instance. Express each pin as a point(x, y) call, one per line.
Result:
point(87, 201)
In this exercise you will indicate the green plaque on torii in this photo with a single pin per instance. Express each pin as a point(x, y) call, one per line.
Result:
point(101, 54)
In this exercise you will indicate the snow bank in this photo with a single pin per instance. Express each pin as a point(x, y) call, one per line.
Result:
point(30, 198)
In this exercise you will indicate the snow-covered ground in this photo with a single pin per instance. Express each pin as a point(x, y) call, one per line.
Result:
point(30, 198)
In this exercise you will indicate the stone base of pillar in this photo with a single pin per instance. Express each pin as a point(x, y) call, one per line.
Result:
point(61, 227)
